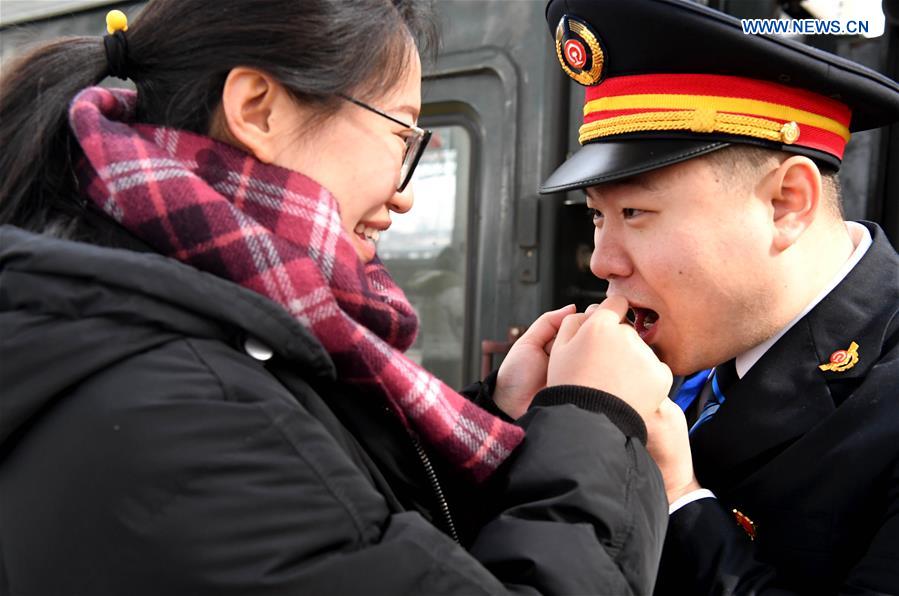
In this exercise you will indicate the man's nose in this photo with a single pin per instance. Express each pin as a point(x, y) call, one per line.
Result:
point(609, 259)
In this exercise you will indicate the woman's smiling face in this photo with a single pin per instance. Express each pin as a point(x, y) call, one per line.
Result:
point(357, 155)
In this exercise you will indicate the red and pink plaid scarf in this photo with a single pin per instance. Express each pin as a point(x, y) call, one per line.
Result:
point(277, 232)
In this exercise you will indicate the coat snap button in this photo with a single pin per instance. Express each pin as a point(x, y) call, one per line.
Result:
point(257, 349)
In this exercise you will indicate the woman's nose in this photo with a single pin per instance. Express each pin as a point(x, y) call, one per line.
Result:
point(402, 200)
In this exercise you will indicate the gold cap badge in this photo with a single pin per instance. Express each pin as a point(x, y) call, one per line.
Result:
point(842, 359)
point(578, 50)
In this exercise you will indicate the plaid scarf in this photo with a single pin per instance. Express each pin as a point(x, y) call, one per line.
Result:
point(279, 233)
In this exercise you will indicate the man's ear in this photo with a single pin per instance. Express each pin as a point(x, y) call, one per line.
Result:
point(248, 102)
point(795, 192)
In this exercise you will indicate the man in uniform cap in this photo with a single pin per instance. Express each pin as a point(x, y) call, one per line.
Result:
point(709, 158)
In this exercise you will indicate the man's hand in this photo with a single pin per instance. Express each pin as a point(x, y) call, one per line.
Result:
point(523, 371)
point(669, 446)
point(600, 349)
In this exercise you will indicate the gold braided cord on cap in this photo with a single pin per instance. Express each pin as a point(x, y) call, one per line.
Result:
point(762, 109)
point(586, 77)
point(703, 121)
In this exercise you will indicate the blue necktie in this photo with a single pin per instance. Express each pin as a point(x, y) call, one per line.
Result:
point(722, 377)
point(689, 390)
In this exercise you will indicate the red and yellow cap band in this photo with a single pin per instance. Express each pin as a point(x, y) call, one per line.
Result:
point(715, 103)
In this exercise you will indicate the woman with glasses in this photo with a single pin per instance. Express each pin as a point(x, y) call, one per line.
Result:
point(204, 385)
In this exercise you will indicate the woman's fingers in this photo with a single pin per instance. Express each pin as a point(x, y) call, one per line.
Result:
point(600, 349)
point(563, 324)
point(613, 306)
point(544, 329)
point(569, 327)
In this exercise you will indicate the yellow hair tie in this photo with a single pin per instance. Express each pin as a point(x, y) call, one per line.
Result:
point(116, 21)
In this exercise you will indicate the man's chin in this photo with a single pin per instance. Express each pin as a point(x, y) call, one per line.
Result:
point(678, 366)
point(674, 359)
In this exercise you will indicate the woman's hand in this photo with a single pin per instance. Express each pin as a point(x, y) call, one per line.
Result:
point(600, 349)
point(523, 371)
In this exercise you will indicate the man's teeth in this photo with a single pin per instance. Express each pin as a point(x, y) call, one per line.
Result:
point(650, 319)
point(370, 233)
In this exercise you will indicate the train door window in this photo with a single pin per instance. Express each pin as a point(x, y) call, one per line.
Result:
point(425, 251)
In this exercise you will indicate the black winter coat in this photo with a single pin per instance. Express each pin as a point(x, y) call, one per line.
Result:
point(148, 447)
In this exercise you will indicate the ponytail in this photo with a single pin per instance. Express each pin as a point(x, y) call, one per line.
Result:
point(36, 174)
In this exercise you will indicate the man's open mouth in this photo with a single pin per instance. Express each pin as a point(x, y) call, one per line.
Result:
point(644, 320)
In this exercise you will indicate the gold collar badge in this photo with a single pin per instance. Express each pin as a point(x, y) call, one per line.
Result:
point(842, 359)
point(579, 51)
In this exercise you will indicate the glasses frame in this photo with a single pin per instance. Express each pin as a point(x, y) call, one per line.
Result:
point(416, 143)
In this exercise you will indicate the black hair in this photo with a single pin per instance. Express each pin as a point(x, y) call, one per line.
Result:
point(743, 164)
point(179, 55)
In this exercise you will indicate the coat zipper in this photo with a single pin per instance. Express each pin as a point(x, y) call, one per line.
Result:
point(435, 484)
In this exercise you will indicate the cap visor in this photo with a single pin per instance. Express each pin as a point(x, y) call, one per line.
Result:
point(599, 162)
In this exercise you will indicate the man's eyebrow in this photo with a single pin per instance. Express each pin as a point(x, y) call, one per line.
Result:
point(641, 181)
point(645, 181)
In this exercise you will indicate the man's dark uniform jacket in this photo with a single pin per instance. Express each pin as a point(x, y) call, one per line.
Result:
point(810, 456)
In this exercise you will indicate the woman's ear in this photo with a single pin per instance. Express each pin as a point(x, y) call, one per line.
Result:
point(249, 100)
point(795, 192)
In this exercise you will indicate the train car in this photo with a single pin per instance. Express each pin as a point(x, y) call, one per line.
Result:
point(482, 253)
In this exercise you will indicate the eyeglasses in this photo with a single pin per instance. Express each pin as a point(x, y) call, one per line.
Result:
point(416, 143)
